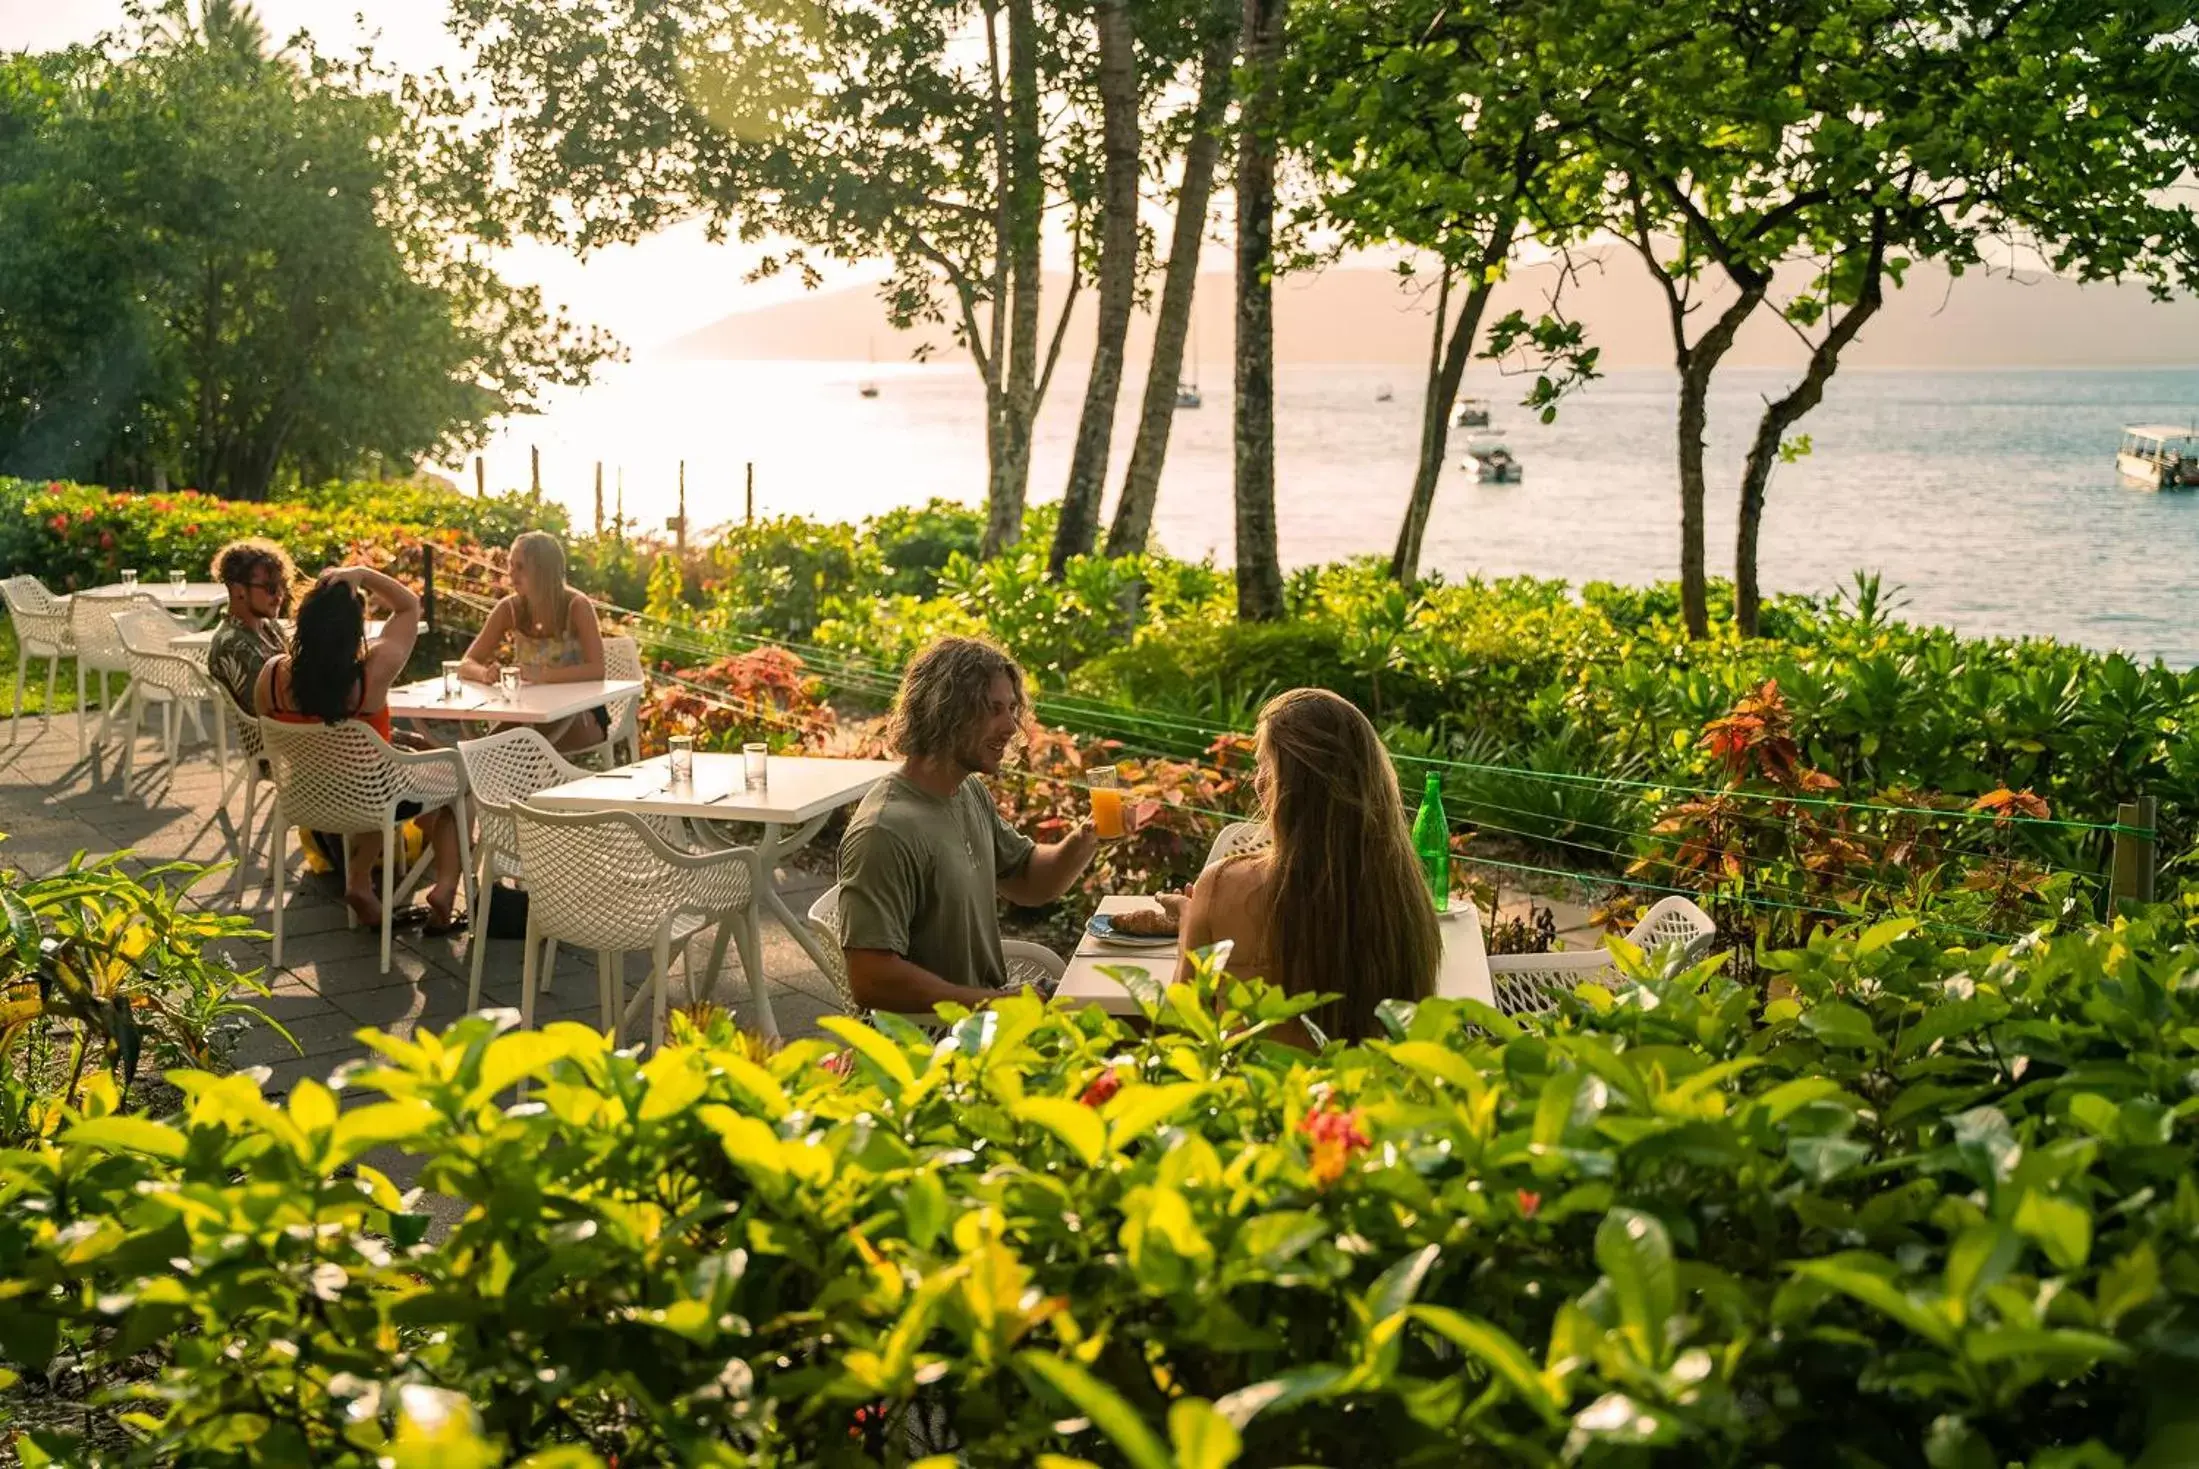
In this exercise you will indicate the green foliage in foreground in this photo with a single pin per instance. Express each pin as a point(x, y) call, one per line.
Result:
point(1933, 1207)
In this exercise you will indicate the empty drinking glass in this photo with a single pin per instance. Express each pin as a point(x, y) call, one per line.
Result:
point(755, 764)
point(682, 760)
point(507, 681)
point(176, 580)
point(129, 577)
point(454, 682)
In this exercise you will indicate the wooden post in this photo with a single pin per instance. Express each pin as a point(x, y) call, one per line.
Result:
point(481, 476)
point(2131, 879)
point(599, 499)
point(427, 586)
point(679, 524)
point(750, 518)
point(534, 459)
point(620, 511)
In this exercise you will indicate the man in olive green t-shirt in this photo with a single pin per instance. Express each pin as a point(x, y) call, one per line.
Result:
point(927, 855)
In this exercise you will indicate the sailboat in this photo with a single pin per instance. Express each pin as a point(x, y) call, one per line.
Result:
point(868, 387)
point(1187, 393)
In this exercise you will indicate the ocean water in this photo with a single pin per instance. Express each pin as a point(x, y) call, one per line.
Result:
point(1989, 498)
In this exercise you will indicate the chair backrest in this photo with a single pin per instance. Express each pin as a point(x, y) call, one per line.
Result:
point(507, 767)
point(339, 778)
point(148, 638)
point(599, 879)
point(824, 921)
point(244, 728)
point(622, 659)
point(1675, 921)
point(41, 619)
point(92, 625)
point(1237, 839)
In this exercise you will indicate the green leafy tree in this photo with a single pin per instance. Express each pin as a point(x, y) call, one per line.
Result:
point(938, 138)
point(232, 267)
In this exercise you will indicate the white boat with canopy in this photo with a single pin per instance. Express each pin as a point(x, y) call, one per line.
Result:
point(2160, 456)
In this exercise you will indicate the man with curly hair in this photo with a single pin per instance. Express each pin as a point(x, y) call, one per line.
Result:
point(927, 854)
point(258, 575)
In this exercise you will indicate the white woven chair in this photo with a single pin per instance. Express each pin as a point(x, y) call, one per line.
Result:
point(344, 779)
point(1527, 983)
point(500, 769)
point(99, 647)
point(1028, 963)
point(41, 631)
point(1238, 839)
point(621, 659)
point(605, 880)
point(241, 731)
point(161, 677)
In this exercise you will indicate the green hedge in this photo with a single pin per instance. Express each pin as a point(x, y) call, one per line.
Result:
point(1932, 1208)
point(73, 535)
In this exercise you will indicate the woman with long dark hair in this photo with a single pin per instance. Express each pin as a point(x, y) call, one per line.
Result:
point(333, 673)
point(1337, 905)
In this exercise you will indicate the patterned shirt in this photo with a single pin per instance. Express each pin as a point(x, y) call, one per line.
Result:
point(237, 652)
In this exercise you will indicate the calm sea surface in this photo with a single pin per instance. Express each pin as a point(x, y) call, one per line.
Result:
point(1990, 497)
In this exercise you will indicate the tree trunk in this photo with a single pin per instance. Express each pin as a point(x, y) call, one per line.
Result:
point(1259, 565)
point(1078, 528)
point(1026, 202)
point(1141, 485)
point(1782, 414)
point(1696, 365)
point(1446, 370)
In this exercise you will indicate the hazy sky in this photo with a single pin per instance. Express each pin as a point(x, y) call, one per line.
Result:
point(662, 288)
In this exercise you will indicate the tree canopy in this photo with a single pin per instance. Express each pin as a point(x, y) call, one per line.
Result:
point(232, 267)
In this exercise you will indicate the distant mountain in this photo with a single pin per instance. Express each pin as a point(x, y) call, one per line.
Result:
point(1363, 315)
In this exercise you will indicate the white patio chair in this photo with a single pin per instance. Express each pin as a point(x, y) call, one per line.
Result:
point(1527, 983)
point(170, 681)
point(1028, 963)
point(41, 631)
point(621, 659)
point(1238, 839)
point(500, 769)
point(344, 779)
point(99, 647)
point(606, 881)
point(241, 732)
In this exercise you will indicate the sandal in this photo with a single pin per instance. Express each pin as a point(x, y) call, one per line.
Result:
point(436, 928)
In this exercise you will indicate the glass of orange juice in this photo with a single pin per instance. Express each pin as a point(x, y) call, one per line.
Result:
point(1106, 787)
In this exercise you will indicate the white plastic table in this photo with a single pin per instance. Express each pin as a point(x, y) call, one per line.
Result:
point(802, 790)
point(197, 600)
point(1464, 974)
point(535, 703)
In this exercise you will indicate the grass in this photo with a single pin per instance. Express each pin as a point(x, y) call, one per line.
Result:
point(34, 681)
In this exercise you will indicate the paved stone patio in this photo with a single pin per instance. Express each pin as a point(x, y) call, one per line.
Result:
point(54, 803)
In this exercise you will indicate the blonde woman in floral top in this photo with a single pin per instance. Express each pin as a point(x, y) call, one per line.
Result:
point(553, 635)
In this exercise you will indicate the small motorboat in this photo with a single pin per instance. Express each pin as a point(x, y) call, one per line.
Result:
point(867, 390)
point(1187, 395)
point(1472, 413)
point(1383, 394)
point(2159, 457)
point(1492, 463)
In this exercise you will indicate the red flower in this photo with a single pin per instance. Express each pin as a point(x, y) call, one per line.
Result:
point(1530, 1202)
point(1102, 1086)
point(59, 525)
point(191, 529)
point(839, 1063)
point(106, 540)
point(1336, 1137)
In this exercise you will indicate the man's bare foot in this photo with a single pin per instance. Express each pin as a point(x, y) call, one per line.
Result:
point(365, 907)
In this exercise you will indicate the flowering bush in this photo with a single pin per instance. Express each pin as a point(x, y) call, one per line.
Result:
point(1929, 1208)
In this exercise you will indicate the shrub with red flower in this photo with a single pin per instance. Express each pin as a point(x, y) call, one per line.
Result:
point(1101, 1088)
point(1335, 1137)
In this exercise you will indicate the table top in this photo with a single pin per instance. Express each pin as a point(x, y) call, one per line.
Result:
point(1465, 971)
point(535, 703)
point(192, 595)
point(799, 788)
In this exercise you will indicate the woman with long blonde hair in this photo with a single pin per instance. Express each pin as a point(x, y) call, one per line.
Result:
point(1337, 905)
point(553, 633)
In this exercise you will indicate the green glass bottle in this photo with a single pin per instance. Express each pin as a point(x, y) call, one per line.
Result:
point(1432, 840)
